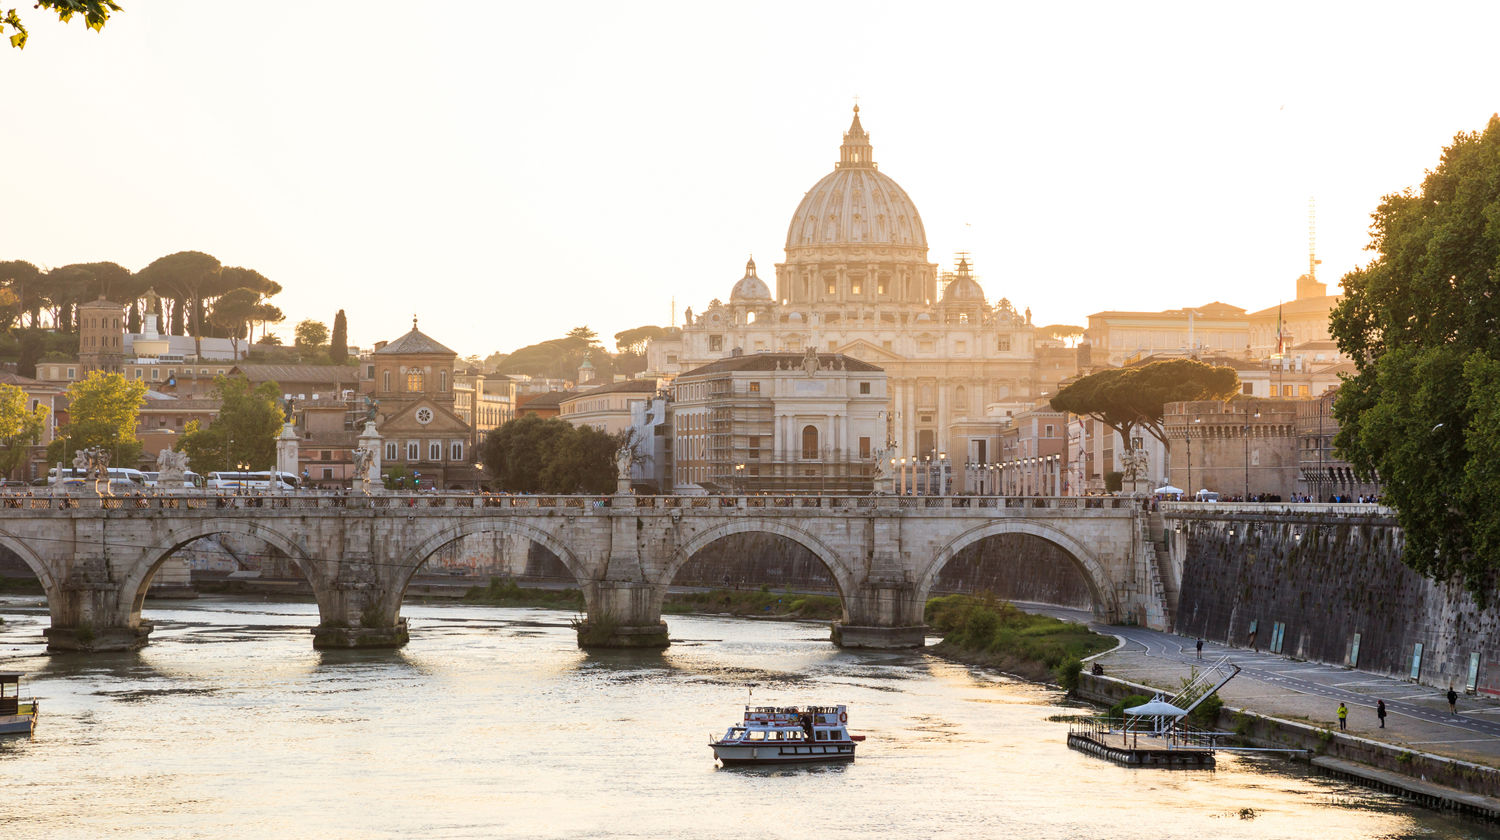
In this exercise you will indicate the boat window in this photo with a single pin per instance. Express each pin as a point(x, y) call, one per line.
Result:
point(757, 735)
point(822, 735)
point(836, 734)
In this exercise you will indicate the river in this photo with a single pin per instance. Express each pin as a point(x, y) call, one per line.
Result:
point(492, 723)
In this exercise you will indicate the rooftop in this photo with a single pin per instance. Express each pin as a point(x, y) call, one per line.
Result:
point(783, 361)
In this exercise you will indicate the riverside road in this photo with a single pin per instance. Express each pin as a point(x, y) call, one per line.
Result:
point(1280, 686)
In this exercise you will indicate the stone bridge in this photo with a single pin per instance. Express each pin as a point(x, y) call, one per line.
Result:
point(95, 556)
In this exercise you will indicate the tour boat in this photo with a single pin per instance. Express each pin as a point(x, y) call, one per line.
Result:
point(773, 735)
point(16, 716)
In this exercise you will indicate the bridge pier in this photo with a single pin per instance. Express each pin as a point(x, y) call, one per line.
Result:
point(358, 609)
point(882, 615)
point(88, 614)
point(622, 614)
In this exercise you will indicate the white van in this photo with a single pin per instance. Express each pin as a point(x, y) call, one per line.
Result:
point(120, 478)
point(260, 481)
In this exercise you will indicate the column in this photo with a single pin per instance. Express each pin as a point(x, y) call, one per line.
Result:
point(909, 434)
point(942, 416)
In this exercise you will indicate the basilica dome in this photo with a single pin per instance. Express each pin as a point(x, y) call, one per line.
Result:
point(963, 288)
point(750, 287)
point(856, 204)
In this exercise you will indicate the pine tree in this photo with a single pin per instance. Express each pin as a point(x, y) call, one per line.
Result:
point(338, 345)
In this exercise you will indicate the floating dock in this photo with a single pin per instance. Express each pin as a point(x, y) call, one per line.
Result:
point(1133, 750)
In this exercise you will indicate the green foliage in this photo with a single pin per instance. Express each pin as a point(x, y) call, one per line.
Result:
point(985, 625)
point(1124, 398)
point(95, 14)
point(311, 333)
point(1206, 716)
point(635, 340)
point(506, 592)
point(1068, 674)
point(1114, 481)
point(102, 411)
point(556, 358)
point(1422, 322)
point(761, 602)
point(532, 455)
point(243, 433)
point(1129, 702)
point(338, 345)
point(20, 427)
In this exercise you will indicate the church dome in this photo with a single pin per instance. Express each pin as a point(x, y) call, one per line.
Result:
point(750, 287)
point(963, 288)
point(856, 204)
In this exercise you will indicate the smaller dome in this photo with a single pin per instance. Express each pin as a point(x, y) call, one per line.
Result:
point(750, 287)
point(794, 318)
point(923, 317)
point(963, 288)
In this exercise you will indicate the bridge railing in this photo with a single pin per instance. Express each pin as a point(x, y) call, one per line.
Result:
point(303, 500)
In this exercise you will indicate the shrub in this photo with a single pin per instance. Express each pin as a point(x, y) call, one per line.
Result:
point(1067, 674)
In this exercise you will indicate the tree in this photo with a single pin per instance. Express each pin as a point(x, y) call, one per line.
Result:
point(585, 334)
point(312, 334)
point(266, 314)
point(102, 411)
point(1422, 323)
point(95, 14)
point(635, 340)
point(24, 280)
point(532, 455)
point(243, 433)
point(233, 311)
point(185, 275)
point(20, 428)
point(1126, 398)
point(338, 345)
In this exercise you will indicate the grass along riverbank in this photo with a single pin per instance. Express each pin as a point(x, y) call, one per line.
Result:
point(985, 631)
point(762, 602)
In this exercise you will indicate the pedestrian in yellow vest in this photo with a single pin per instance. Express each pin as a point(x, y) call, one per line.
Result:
point(1343, 716)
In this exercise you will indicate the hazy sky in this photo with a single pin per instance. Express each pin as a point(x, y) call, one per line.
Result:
point(508, 171)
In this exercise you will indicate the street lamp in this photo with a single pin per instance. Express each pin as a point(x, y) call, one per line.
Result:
point(739, 478)
point(1246, 497)
point(902, 490)
point(942, 473)
point(1190, 458)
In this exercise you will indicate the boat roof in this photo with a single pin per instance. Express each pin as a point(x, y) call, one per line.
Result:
point(11, 676)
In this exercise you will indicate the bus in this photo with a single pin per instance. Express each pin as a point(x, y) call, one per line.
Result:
point(120, 478)
point(190, 480)
point(261, 481)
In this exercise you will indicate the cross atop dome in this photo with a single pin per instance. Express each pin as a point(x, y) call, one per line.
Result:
point(856, 153)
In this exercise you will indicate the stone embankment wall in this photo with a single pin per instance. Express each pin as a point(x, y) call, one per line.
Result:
point(1327, 578)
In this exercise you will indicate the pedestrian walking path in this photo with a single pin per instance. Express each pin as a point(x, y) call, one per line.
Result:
point(1278, 686)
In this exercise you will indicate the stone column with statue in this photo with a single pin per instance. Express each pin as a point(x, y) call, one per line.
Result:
point(287, 445)
point(624, 460)
point(367, 461)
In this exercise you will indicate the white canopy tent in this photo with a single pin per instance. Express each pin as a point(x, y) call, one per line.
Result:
point(1168, 490)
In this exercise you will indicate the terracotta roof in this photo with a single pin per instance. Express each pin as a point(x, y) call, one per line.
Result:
point(787, 361)
point(8, 378)
point(321, 374)
point(415, 341)
point(634, 386)
point(548, 398)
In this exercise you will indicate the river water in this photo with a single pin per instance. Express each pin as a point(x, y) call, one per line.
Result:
point(492, 723)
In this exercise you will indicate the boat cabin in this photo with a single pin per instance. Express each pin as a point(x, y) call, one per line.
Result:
point(10, 692)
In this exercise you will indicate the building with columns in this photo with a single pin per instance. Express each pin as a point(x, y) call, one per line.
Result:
point(856, 282)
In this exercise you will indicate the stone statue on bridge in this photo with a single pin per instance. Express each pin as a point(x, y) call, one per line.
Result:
point(171, 468)
point(883, 468)
point(364, 460)
point(624, 460)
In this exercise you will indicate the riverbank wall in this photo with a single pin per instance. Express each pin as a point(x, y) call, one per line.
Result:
point(1325, 583)
point(1433, 780)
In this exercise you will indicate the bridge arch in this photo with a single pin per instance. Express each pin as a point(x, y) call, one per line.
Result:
point(138, 578)
point(843, 578)
point(1101, 587)
point(43, 572)
point(425, 549)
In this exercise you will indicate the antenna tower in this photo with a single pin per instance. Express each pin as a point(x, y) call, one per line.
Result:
point(672, 316)
point(1312, 238)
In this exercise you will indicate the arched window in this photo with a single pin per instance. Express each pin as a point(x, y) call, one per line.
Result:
point(809, 442)
point(387, 375)
point(442, 380)
point(414, 380)
point(749, 317)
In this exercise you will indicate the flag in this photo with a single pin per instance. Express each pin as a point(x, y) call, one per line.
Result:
point(1280, 329)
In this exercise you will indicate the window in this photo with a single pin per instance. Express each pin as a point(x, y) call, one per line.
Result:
point(671, 358)
point(856, 289)
point(1048, 431)
point(833, 287)
point(138, 373)
point(1003, 344)
point(864, 387)
point(755, 387)
point(716, 342)
point(1302, 390)
point(434, 451)
point(864, 447)
point(386, 380)
point(749, 317)
point(880, 287)
point(456, 451)
point(1248, 389)
point(415, 380)
point(413, 450)
point(1286, 390)
point(390, 450)
point(328, 472)
point(442, 380)
point(369, 371)
point(924, 346)
point(72, 373)
point(963, 318)
point(220, 372)
point(155, 374)
point(809, 442)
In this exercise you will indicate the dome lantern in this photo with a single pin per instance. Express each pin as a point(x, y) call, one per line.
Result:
point(856, 153)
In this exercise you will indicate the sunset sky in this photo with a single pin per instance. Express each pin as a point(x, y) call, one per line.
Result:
point(509, 171)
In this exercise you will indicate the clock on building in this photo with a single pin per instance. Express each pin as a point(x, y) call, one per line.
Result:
point(424, 415)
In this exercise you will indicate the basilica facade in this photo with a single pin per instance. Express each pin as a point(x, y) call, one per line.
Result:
point(857, 281)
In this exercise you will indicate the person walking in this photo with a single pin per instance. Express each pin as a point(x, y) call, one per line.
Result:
point(1452, 701)
point(1200, 648)
point(1380, 712)
point(1343, 716)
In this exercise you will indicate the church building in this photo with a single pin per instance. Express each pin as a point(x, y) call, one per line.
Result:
point(856, 282)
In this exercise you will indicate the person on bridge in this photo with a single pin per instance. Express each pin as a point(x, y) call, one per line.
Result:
point(1452, 701)
point(1380, 712)
point(1343, 717)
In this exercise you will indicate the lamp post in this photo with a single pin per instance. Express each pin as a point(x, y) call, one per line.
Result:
point(1189, 488)
point(1246, 497)
point(739, 478)
point(942, 473)
point(901, 491)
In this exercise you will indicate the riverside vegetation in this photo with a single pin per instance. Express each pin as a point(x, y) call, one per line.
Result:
point(981, 630)
point(764, 602)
